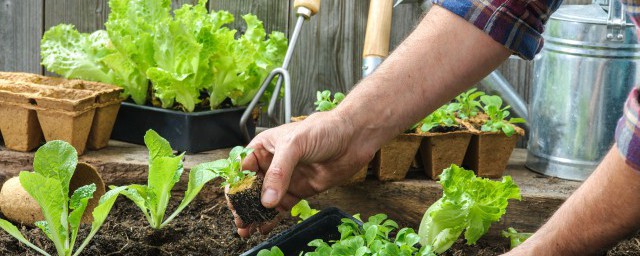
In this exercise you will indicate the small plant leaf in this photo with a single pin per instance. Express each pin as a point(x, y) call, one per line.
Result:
point(13, 231)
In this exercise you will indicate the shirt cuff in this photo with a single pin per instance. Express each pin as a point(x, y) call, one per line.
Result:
point(628, 131)
point(516, 24)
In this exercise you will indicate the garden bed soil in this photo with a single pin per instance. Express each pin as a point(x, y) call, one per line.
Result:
point(206, 227)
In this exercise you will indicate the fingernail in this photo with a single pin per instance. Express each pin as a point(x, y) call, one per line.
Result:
point(269, 197)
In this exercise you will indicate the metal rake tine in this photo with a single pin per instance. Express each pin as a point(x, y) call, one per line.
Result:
point(254, 102)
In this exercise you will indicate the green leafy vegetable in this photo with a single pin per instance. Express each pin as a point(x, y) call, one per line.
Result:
point(443, 116)
point(469, 105)
point(515, 237)
point(275, 251)
point(468, 204)
point(230, 169)
point(165, 170)
point(324, 101)
point(497, 116)
point(303, 210)
point(373, 238)
point(54, 164)
point(189, 57)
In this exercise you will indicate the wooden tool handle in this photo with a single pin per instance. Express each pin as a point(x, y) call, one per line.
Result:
point(312, 5)
point(376, 41)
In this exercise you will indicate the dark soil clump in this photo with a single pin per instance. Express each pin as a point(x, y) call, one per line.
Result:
point(444, 129)
point(247, 203)
point(205, 227)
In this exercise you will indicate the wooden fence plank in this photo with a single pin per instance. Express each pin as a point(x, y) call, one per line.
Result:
point(20, 34)
point(329, 52)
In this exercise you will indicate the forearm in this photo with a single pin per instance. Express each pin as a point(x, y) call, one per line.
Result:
point(602, 211)
point(444, 56)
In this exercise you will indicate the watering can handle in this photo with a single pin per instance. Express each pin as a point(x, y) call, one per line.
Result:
point(312, 5)
point(616, 21)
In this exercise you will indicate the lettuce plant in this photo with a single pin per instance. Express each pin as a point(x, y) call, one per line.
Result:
point(515, 237)
point(469, 204)
point(324, 101)
point(497, 116)
point(165, 170)
point(303, 211)
point(469, 104)
point(443, 117)
point(190, 57)
point(54, 165)
point(372, 238)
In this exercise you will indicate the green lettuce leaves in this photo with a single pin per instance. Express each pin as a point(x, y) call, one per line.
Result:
point(189, 58)
point(54, 165)
point(469, 204)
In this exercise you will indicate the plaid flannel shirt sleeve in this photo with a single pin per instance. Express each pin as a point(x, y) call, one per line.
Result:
point(517, 24)
point(628, 130)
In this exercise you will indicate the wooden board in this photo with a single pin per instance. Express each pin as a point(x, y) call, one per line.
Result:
point(20, 35)
point(329, 52)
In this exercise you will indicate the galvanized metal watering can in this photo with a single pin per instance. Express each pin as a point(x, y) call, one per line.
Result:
point(590, 62)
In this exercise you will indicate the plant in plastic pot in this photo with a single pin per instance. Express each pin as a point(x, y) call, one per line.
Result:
point(445, 139)
point(494, 139)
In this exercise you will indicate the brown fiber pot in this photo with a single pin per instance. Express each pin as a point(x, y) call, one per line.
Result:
point(489, 152)
point(439, 151)
point(394, 158)
point(105, 97)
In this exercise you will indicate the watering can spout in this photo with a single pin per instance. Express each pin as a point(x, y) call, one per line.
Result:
point(496, 82)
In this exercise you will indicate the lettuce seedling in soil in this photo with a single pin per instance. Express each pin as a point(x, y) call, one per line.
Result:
point(441, 120)
point(324, 101)
point(515, 237)
point(244, 187)
point(165, 170)
point(468, 204)
point(497, 116)
point(54, 165)
point(372, 238)
point(303, 211)
point(469, 105)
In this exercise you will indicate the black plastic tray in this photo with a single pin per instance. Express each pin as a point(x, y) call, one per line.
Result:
point(191, 132)
point(323, 225)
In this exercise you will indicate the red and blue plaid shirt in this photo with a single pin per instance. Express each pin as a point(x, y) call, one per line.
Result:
point(518, 25)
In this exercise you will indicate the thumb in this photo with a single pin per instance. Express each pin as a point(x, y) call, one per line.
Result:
point(278, 176)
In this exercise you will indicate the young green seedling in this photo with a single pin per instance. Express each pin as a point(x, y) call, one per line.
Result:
point(468, 204)
point(244, 187)
point(54, 165)
point(515, 237)
point(165, 170)
point(469, 105)
point(497, 116)
point(324, 101)
point(373, 238)
point(442, 117)
point(303, 211)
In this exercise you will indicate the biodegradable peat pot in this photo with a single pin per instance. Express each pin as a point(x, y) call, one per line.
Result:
point(191, 132)
point(19, 126)
point(245, 198)
point(489, 152)
point(107, 98)
point(295, 240)
point(18, 206)
point(67, 115)
point(394, 158)
point(439, 150)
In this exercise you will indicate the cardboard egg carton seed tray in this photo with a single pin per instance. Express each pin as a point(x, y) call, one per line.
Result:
point(33, 106)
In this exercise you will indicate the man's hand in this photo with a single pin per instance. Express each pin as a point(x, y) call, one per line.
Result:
point(302, 159)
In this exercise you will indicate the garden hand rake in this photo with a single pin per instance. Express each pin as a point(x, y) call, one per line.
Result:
point(304, 10)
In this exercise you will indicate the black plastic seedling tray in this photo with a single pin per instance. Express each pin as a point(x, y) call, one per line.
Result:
point(191, 132)
point(323, 225)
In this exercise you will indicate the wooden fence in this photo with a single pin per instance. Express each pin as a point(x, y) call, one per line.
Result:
point(328, 55)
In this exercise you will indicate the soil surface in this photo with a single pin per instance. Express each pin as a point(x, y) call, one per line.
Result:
point(206, 227)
